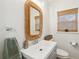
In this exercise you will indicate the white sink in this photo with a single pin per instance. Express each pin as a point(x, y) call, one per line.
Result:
point(40, 51)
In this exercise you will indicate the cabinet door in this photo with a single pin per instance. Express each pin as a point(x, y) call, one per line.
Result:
point(52, 55)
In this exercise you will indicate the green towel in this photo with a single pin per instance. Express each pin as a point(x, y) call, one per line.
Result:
point(11, 49)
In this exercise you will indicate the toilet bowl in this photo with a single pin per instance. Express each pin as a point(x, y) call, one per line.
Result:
point(62, 54)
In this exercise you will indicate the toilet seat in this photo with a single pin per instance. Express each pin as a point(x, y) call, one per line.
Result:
point(62, 53)
point(67, 57)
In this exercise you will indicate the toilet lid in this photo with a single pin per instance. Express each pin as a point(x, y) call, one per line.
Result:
point(62, 53)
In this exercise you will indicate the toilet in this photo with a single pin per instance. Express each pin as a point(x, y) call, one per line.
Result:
point(62, 54)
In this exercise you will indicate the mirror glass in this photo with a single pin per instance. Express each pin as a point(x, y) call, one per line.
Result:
point(34, 21)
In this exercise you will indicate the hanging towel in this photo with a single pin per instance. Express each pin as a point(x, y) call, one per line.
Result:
point(11, 49)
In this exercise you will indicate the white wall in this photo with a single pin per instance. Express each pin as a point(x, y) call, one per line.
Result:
point(1, 26)
point(12, 15)
point(63, 39)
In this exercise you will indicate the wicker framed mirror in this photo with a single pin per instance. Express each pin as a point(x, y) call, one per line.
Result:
point(33, 21)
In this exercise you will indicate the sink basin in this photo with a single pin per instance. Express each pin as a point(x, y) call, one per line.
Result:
point(39, 51)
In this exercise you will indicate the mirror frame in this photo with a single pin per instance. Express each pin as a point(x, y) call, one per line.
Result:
point(29, 4)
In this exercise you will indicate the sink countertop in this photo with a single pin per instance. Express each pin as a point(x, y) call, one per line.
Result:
point(40, 51)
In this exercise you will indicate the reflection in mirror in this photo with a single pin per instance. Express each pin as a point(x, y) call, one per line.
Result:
point(33, 21)
point(37, 23)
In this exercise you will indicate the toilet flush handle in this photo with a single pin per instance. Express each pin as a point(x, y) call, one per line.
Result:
point(74, 43)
